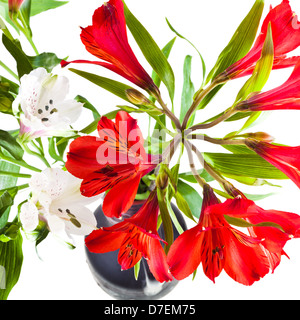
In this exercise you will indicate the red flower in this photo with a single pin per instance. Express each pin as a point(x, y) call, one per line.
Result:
point(286, 96)
point(117, 161)
point(136, 237)
point(107, 40)
point(219, 246)
point(286, 38)
point(286, 159)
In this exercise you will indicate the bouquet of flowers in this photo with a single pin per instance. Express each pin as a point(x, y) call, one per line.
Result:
point(112, 163)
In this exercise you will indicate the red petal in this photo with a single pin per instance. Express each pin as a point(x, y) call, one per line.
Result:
point(245, 260)
point(82, 156)
point(184, 255)
point(102, 241)
point(157, 261)
point(120, 198)
point(105, 179)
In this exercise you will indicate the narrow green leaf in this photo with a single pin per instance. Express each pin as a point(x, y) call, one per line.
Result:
point(241, 42)
point(39, 6)
point(151, 51)
point(244, 224)
point(249, 165)
point(188, 90)
point(89, 106)
point(166, 219)
point(11, 259)
point(261, 71)
point(115, 87)
point(188, 176)
point(184, 38)
point(137, 267)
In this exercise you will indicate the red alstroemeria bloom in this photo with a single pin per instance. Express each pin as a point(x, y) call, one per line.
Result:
point(107, 39)
point(218, 245)
point(136, 237)
point(286, 96)
point(286, 159)
point(286, 38)
point(116, 161)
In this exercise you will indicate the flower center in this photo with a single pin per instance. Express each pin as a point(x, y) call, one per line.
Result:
point(45, 113)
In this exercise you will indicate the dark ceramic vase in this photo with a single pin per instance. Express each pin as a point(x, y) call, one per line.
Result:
point(122, 284)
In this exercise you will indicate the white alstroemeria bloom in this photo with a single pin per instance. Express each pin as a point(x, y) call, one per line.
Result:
point(45, 111)
point(56, 200)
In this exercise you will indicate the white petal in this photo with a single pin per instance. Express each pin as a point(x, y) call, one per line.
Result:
point(55, 224)
point(29, 216)
point(69, 110)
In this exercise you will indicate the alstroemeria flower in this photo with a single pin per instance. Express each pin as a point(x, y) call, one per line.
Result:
point(218, 245)
point(116, 161)
point(57, 201)
point(286, 96)
point(135, 238)
point(107, 39)
point(286, 38)
point(44, 108)
point(286, 159)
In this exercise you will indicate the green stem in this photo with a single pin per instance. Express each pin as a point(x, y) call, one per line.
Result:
point(20, 163)
point(216, 141)
point(5, 67)
point(21, 187)
point(15, 174)
point(200, 96)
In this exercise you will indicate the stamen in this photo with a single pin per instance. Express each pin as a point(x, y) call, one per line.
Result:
point(45, 119)
point(40, 111)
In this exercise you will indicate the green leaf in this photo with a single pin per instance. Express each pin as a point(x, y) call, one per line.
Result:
point(166, 50)
point(39, 6)
point(244, 224)
point(248, 165)
point(14, 48)
point(24, 12)
point(188, 176)
point(188, 90)
point(88, 105)
point(11, 259)
point(166, 219)
point(237, 48)
point(182, 37)
point(115, 87)
point(261, 71)
point(151, 51)
point(191, 196)
point(241, 42)
point(10, 144)
point(46, 60)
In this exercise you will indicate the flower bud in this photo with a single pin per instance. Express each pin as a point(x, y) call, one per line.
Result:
point(260, 136)
point(136, 97)
point(162, 181)
point(13, 7)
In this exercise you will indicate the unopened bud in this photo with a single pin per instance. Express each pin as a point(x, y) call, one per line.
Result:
point(136, 97)
point(162, 181)
point(14, 6)
point(260, 136)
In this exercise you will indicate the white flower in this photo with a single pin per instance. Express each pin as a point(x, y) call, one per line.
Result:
point(45, 110)
point(56, 200)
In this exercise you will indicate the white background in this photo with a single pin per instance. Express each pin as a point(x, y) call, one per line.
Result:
point(64, 274)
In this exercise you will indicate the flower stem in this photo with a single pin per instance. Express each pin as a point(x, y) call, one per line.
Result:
point(199, 97)
point(222, 118)
point(216, 141)
point(15, 174)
